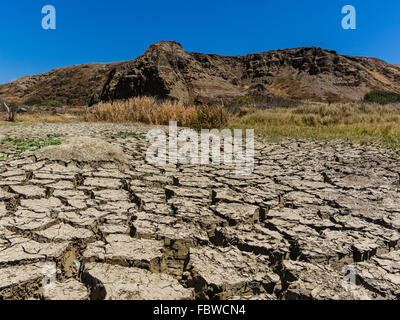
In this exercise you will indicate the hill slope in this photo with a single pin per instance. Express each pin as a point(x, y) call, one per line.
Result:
point(73, 85)
point(166, 70)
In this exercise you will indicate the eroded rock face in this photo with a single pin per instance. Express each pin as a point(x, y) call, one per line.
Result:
point(166, 70)
point(292, 229)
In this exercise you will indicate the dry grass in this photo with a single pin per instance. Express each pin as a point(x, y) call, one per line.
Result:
point(148, 110)
point(353, 121)
point(43, 117)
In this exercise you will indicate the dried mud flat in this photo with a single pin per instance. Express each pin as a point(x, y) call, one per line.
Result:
point(115, 227)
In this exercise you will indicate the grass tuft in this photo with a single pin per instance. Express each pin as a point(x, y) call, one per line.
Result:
point(131, 134)
point(23, 144)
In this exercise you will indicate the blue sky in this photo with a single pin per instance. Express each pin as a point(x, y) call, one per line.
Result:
point(105, 31)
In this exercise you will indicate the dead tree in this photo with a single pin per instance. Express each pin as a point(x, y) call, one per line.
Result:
point(11, 109)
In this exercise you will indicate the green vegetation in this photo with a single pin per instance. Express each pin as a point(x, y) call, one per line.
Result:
point(382, 97)
point(39, 102)
point(54, 135)
point(24, 144)
point(244, 100)
point(131, 134)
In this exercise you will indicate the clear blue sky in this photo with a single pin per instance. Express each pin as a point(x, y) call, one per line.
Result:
point(115, 30)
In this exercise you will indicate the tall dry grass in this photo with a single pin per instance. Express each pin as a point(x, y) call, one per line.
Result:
point(149, 110)
point(353, 121)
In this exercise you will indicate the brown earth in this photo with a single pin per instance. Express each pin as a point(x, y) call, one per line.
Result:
point(112, 229)
point(166, 70)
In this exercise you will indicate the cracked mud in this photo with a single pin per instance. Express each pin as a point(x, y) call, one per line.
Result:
point(115, 227)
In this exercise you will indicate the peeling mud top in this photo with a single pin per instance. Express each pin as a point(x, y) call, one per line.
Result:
point(91, 219)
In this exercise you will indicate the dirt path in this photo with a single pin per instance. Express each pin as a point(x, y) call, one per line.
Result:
point(114, 227)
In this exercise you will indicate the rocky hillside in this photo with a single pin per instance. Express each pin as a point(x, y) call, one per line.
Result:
point(166, 70)
point(72, 85)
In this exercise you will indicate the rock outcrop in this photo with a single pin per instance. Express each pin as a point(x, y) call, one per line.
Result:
point(167, 71)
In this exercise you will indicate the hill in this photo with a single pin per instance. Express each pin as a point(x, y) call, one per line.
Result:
point(167, 71)
point(73, 85)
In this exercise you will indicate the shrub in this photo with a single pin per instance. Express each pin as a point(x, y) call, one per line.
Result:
point(382, 97)
point(244, 100)
point(34, 101)
point(248, 104)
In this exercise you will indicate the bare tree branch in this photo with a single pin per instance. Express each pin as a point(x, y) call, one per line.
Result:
point(11, 110)
point(4, 103)
point(7, 108)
